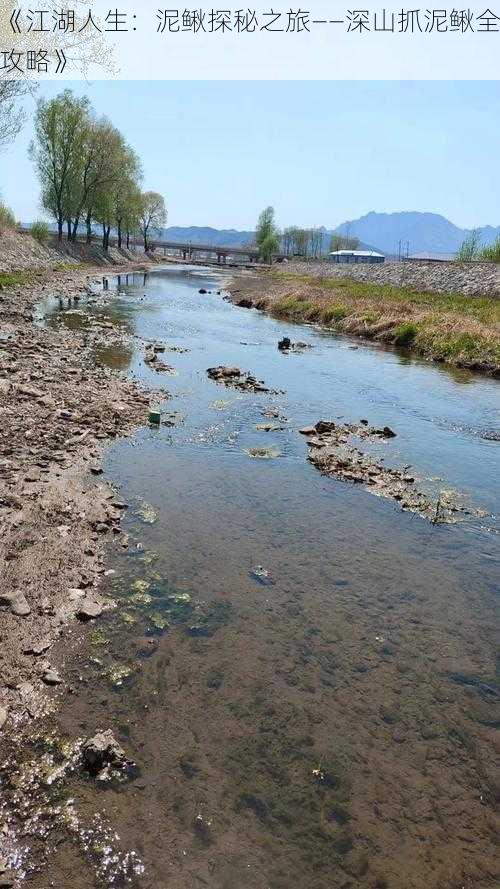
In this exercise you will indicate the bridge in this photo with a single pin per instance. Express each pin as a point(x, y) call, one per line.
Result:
point(189, 251)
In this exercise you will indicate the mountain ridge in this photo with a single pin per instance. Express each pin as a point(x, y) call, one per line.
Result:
point(426, 233)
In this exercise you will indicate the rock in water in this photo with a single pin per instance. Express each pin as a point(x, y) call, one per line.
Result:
point(102, 750)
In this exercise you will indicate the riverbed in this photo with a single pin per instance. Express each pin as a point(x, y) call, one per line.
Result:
point(303, 673)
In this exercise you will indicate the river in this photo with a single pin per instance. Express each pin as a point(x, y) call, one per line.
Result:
point(303, 672)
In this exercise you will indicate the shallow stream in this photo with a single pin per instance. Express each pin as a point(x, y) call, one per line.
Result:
point(303, 672)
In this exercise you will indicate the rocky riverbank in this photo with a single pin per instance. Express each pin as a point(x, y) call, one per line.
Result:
point(456, 328)
point(469, 278)
point(59, 407)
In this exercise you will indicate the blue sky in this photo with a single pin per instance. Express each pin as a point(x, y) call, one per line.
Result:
point(320, 152)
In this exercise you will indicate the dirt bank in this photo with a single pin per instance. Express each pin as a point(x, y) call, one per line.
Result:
point(58, 408)
point(461, 330)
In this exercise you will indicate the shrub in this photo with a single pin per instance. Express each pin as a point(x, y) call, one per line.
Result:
point(470, 247)
point(40, 231)
point(405, 333)
point(491, 253)
point(7, 219)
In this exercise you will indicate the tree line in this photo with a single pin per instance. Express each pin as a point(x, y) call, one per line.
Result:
point(90, 175)
point(308, 243)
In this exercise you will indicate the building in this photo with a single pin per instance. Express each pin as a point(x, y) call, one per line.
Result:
point(350, 256)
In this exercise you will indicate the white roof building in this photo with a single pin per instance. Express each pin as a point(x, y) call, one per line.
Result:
point(347, 256)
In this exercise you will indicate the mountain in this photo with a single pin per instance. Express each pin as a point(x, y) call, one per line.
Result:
point(229, 237)
point(426, 232)
point(206, 235)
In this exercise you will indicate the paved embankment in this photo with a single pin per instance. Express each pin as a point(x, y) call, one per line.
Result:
point(469, 278)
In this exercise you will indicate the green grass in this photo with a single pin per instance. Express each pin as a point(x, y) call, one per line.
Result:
point(40, 231)
point(482, 308)
point(449, 327)
point(13, 279)
point(7, 218)
point(404, 334)
point(491, 253)
point(334, 313)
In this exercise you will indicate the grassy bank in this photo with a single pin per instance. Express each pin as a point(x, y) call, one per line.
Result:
point(462, 330)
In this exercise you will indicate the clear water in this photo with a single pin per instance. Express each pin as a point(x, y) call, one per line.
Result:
point(323, 722)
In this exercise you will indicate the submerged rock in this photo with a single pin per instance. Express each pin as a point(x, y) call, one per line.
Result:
point(263, 453)
point(103, 750)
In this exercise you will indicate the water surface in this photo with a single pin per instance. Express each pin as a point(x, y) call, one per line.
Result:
point(303, 673)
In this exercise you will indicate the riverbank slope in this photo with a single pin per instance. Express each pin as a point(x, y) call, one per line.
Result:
point(59, 407)
point(451, 327)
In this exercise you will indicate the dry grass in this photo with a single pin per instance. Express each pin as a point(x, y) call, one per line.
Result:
point(444, 327)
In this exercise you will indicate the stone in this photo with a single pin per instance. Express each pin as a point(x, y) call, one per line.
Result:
point(3, 716)
point(95, 469)
point(38, 648)
point(17, 603)
point(51, 677)
point(308, 430)
point(89, 610)
point(325, 426)
point(102, 750)
point(386, 432)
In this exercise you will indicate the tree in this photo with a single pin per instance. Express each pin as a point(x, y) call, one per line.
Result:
point(152, 216)
point(267, 236)
point(61, 129)
point(343, 242)
point(126, 191)
point(11, 117)
point(132, 208)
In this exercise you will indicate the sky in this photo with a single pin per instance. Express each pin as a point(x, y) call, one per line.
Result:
point(320, 152)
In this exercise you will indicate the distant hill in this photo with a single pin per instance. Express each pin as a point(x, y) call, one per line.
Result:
point(228, 237)
point(427, 233)
point(205, 235)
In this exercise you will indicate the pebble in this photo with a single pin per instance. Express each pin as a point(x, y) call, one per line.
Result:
point(89, 610)
point(17, 603)
point(51, 677)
